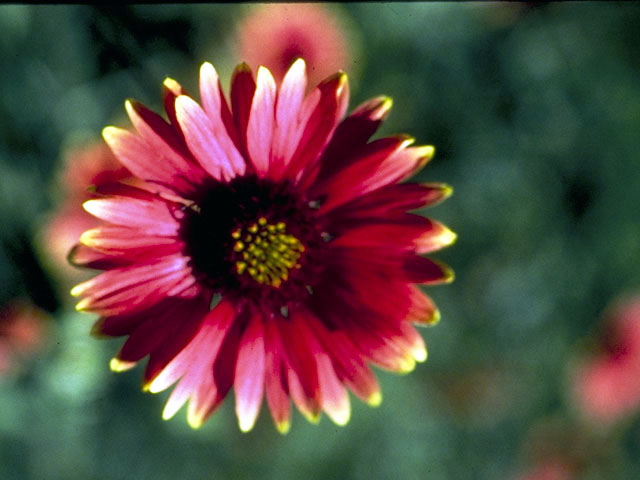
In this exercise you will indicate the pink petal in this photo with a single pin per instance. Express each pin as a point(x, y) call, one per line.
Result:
point(216, 156)
point(167, 145)
point(261, 122)
point(129, 242)
point(163, 369)
point(139, 157)
point(132, 287)
point(287, 129)
point(335, 400)
point(348, 363)
point(213, 389)
point(216, 108)
point(156, 217)
point(249, 374)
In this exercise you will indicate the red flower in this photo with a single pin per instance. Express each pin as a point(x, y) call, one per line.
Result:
point(269, 250)
point(607, 386)
point(275, 35)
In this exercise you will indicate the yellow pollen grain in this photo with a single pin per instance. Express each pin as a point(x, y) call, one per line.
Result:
point(267, 253)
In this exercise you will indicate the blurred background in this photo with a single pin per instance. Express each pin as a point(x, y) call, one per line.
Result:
point(534, 110)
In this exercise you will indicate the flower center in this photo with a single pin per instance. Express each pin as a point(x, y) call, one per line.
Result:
point(266, 252)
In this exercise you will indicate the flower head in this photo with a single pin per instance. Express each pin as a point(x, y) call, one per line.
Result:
point(607, 386)
point(269, 249)
point(275, 35)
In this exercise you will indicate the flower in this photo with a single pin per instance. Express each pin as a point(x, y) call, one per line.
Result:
point(607, 386)
point(269, 249)
point(551, 470)
point(275, 35)
point(22, 332)
point(92, 164)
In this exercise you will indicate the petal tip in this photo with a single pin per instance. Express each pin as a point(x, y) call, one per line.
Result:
point(283, 426)
point(117, 365)
point(195, 421)
point(375, 399)
point(82, 305)
point(246, 424)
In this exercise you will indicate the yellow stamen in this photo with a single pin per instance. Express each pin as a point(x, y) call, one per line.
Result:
point(267, 252)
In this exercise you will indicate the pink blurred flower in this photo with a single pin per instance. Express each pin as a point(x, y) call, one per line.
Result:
point(274, 35)
point(550, 470)
point(22, 329)
point(607, 386)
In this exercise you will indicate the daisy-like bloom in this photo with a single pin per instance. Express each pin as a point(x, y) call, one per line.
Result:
point(607, 386)
point(275, 35)
point(270, 249)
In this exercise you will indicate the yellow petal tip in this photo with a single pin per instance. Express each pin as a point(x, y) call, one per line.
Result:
point(283, 426)
point(117, 365)
point(375, 399)
point(82, 305)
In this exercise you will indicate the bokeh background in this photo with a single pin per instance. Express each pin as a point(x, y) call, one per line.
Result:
point(534, 110)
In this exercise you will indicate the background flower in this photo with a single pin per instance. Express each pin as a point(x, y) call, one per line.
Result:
point(274, 35)
point(606, 386)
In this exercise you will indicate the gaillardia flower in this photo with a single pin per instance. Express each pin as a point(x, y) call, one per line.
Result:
point(269, 250)
point(276, 34)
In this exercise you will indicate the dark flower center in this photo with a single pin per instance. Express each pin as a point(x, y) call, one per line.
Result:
point(251, 236)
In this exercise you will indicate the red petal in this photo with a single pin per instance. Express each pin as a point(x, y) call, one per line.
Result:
point(157, 326)
point(351, 135)
point(243, 88)
point(82, 256)
point(169, 363)
point(320, 123)
point(170, 91)
point(411, 232)
point(275, 378)
point(392, 199)
point(302, 371)
point(382, 162)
